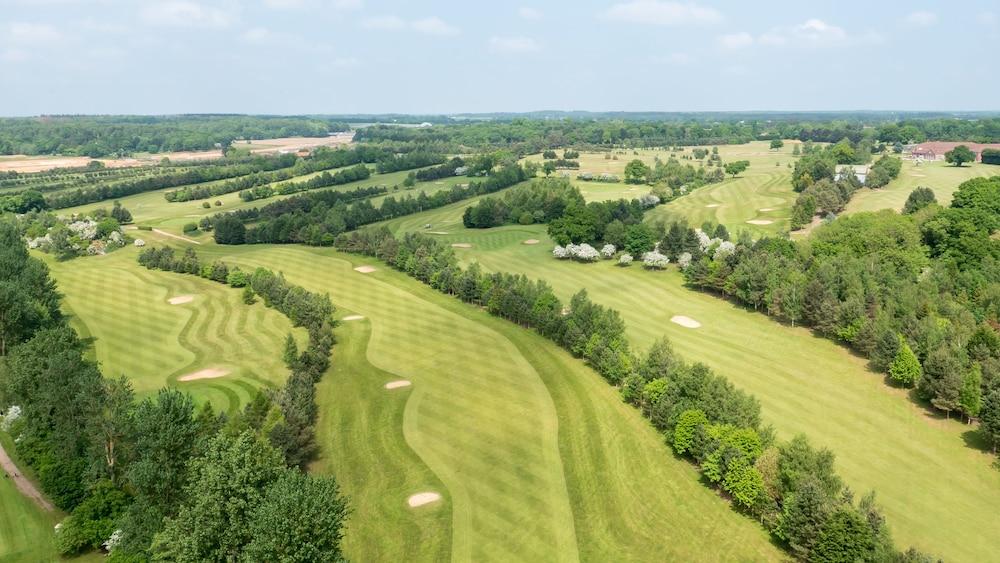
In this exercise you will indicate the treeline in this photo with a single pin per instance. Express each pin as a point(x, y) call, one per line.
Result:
point(446, 170)
point(790, 487)
point(824, 191)
point(97, 136)
point(316, 218)
point(193, 175)
point(355, 173)
point(407, 161)
point(159, 478)
point(913, 293)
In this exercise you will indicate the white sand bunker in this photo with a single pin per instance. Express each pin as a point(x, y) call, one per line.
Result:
point(180, 299)
point(765, 209)
point(421, 499)
point(365, 269)
point(352, 318)
point(531, 241)
point(713, 205)
point(760, 221)
point(397, 384)
point(686, 322)
point(210, 373)
point(461, 245)
point(437, 232)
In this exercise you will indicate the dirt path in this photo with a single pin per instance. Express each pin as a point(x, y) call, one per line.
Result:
point(178, 237)
point(22, 483)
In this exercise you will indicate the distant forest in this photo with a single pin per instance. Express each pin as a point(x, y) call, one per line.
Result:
point(97, 136)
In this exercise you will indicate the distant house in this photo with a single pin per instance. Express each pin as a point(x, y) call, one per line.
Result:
point(860, 170)
point(425, 124)
point(934, 150)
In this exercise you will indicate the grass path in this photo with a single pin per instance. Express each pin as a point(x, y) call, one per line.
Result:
point(536, 457)
point(883, 440)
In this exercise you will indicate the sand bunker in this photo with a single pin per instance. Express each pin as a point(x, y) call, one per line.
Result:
point(421, 499)
point(531, 241)
point(180, 299)
point(352, 318)
point(437, 232)
point(365, 269)
point(765, 209)
point(210, 373)
point(760, 222)
point(686, 322)
point(397, 384)
point(713, 205)
point(461, 245)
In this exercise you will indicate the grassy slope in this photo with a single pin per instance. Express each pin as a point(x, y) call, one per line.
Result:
point(139, 334)
point(25, 529)
point(940, 176)
point(537, 456)
point(806, 385)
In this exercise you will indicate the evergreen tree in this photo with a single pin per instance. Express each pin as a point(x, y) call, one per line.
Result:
point(905, 367)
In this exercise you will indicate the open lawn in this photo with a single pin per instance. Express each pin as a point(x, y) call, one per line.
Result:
point(536, 458)
point(939, 176)
point(938, 488)
point(125, 308)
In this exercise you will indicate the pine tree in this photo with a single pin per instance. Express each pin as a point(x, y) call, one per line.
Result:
point(971, 395)
point(905, 368)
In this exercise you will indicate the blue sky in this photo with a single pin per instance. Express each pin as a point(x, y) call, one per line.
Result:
point(369, 56)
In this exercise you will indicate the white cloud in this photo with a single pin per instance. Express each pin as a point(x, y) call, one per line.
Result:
point(921, 19)
point(32, 33)
point(819, 32)
point(183, 13)
point(339, 5)
point(431, 25)
point(677, 59)
point(14, 55)
point(658, 12)
point(513, 45)
point(529, 13)
point(736, 40)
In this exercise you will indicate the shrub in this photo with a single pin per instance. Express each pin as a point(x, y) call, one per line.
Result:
point(206, 205)
point(237, 278)
point(190, 227)
point(144, 228)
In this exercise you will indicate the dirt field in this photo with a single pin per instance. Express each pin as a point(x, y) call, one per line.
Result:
point(23, 163)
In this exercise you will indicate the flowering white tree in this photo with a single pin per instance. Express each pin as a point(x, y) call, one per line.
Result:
point(140, 242)
point(85, 229)
point(684, 260)
point(704, 241)
point(625, 259)
point(113, 541)
point(655, 260)
point(724, 249)
point(587, 253)
point(649, 200)
point(559, 252)
point(608, 250)
point(13, 413)
point(116, 239)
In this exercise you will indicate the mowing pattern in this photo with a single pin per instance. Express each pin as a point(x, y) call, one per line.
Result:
point(806, 385)
point(139, 334)
point(537, 459)
point(25, 530)
point(940, 177)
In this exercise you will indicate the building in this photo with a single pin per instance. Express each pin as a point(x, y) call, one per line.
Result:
point(934, 150)
point(860, 171)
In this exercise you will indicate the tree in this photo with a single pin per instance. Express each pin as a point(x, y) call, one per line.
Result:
point(737, 167)
point(776, 144)
point(549, 167)
point(121, 214)
point(905, 367)
point(796, 151)
point(229, 230)
point(959, 155)
point(919, 198)
point(301, 518)
point(804, 516)
point(687, 425)
point(227, 484)
point(846, 536)
point(989, 415)
point(970, 397)
point(636, 172)
point(638, 239)
point(112, 426)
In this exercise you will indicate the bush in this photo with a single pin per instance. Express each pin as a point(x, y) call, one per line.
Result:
point(190, 228)
point(144, 228)
point(206, 205)
point(238, 278)
point(93, 521)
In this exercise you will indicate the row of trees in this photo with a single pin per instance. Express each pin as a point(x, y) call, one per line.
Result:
point(446, 170)
point(538, 202)
point(355, 173)
point(98, 136)
point(790, 487)
point(316, 218)
point(160, 478)
point(191, 175)
point(913, 293)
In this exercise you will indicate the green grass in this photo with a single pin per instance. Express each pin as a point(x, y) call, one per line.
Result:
point(537, 458)
point(939, 493)
point(939, 176)
point(26, 531)
point(137, 333)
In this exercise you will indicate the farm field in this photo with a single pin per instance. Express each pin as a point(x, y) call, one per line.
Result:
point(138, 333)
point(525, 444)
point(883, 440)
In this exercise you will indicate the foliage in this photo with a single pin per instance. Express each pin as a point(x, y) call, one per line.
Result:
point(905, 368)
point(918, 199)
point(959, 155)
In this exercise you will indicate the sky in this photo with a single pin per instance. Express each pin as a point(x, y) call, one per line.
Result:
point(441, 57)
